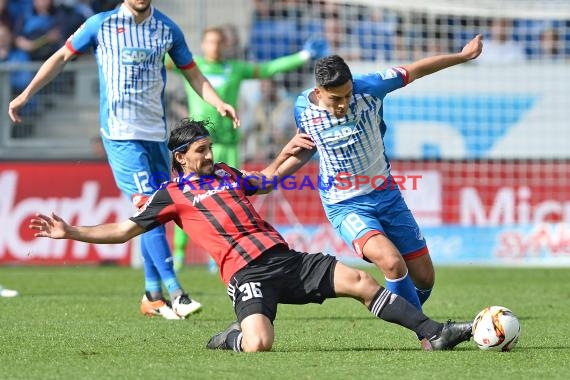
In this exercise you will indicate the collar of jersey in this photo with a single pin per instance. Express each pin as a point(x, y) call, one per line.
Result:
point(313, 105)
point(126, 12)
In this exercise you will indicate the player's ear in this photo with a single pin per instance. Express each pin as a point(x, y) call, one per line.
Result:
point(179, 157)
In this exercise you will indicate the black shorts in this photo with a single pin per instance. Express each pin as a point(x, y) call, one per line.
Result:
point(281, 275)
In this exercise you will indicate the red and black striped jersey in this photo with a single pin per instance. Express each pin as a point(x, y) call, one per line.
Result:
point(216, 213)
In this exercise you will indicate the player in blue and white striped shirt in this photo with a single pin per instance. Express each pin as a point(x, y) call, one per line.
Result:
point(343, 116)
point(130, 43)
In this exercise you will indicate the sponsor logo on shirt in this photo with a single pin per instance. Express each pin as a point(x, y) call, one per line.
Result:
point(317, 120)
point(217, 80)
point(222, 173)
point(198, 198)
point(339, 135)
point(134, 56)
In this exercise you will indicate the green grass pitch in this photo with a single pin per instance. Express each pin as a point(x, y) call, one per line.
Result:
point(84, 323)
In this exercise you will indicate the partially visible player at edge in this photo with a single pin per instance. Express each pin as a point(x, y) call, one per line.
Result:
point(130, 43)
point(256, 264)
point(8, 293)
point(226, 75)
point(343, 115)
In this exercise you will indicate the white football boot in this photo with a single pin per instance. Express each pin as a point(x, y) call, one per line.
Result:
point(184, 306)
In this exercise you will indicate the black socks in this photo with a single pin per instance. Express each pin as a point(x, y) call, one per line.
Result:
point(392, 308)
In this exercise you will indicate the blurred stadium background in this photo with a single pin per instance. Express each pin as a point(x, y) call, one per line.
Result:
point(490, 139)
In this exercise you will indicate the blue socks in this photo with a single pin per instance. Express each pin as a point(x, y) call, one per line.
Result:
point(404, 287)
point(423, 294)
point(158, 261)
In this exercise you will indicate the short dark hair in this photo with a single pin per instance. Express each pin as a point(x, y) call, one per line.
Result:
point(332, 71)
point(181, 137)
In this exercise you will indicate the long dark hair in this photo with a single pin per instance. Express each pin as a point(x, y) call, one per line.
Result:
point(186, 132)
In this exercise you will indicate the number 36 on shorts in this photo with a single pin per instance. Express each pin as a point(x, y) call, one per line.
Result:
point(250, 290)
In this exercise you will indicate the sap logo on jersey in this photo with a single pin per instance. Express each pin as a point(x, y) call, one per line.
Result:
point(134, 56)
point(339, 135)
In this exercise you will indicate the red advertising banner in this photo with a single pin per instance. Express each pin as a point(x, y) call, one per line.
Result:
point(81, 193)
point(485, 194)
point(441, 194)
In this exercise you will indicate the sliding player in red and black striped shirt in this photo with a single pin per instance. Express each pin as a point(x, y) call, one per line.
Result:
point(216, 212)
point(210, 202)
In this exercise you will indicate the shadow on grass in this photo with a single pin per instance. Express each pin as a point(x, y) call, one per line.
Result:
point(327, 318)
point(368, 349)
point(534, 348)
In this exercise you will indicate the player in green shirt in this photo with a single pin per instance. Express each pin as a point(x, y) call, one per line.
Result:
point(226, 76)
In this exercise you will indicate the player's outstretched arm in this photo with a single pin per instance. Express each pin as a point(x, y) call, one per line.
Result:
point(294, 163)
point(313, 48)
point(299, 146)
point(430, 65)
point(49, 70)
point(111, 233)
point(204, 88)
point(293, 155)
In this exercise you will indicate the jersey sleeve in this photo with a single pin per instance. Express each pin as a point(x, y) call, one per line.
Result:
point(300, 106)
point(279, 65)
point(247, 189)
point(180, 53)
point(238, 176)
point(158, 209)
point(85, 37)
point(381, 83)
point(246, 70)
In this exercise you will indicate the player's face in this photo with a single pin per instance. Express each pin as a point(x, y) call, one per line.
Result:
point(139, 6)
point(199, 158)
point(335, 99)
point(212, 45)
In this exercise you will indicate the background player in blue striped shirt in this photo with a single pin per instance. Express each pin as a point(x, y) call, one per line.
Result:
point(343, 115)
point(130, 43)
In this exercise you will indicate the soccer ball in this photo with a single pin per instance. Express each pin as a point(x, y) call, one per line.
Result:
point(496, 328)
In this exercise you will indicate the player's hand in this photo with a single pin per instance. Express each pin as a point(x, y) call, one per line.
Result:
point(260, 182)
point(15, 106)
point(139, 200)
point(299, 142)
point(254, 178)
point(473, 48)
point(52, 227)
point(227, 110)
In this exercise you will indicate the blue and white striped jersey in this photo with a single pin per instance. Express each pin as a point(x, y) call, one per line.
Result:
point(132, 75)
point(352, 145)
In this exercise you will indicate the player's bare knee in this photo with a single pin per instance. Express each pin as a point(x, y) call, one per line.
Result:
point(257, 343)
point(392, 266)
